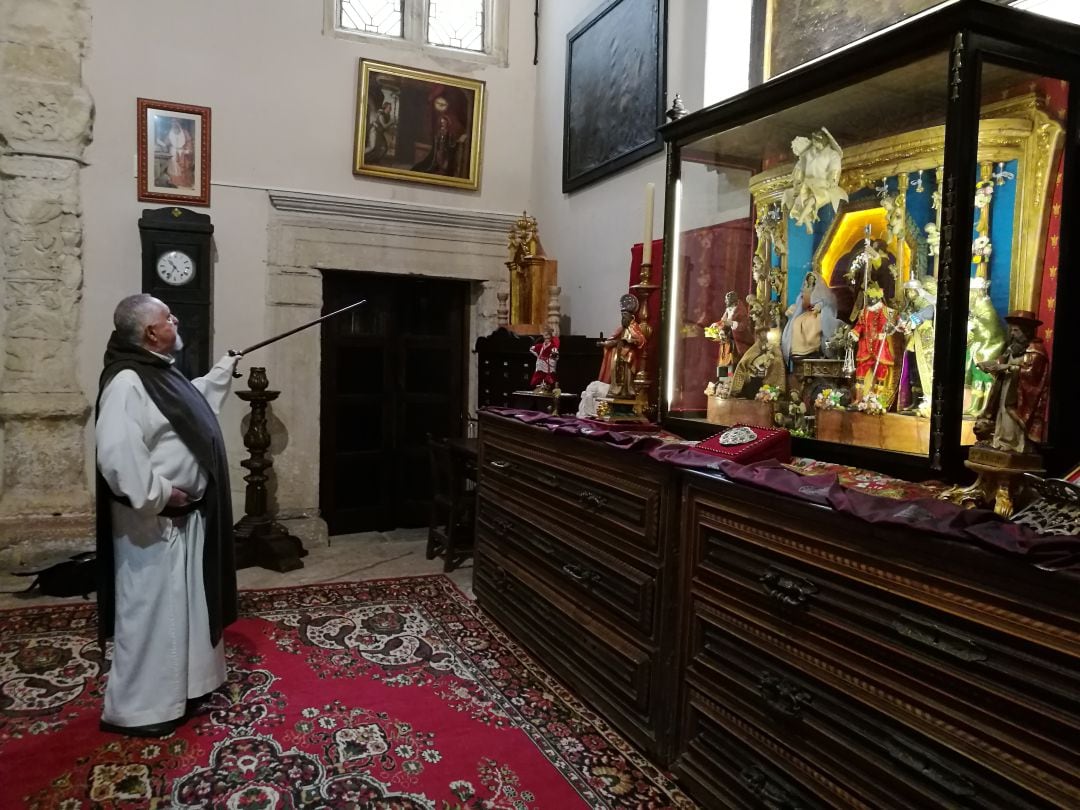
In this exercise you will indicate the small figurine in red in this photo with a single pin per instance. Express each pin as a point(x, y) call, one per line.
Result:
point(875, 358)
point(547, 356)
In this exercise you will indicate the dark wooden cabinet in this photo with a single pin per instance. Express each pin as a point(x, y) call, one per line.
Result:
point(505, 365)
point(854, 666)
point(571, 558)
point(774, 653)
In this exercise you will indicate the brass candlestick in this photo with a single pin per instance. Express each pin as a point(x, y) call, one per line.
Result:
point(643, 384)
point(259, 539)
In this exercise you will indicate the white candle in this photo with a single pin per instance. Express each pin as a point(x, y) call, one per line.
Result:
point(646, 243)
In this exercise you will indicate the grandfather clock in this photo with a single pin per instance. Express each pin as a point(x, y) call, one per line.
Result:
point(176, 268)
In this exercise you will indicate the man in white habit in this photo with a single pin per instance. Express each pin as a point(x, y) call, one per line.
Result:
point(164, 533)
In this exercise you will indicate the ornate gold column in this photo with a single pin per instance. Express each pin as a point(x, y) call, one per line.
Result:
point(46, 118)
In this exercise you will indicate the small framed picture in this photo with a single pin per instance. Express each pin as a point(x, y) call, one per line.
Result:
point(418, 126)
point(174, 152)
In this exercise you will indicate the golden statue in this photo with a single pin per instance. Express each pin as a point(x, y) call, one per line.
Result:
point(522, 241)
point(532, 277)
point(986, 342)
point(761, 364)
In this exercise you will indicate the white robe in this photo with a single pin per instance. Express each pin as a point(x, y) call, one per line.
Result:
point(161, 650)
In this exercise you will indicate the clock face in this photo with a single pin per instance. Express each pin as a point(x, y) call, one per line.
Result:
point(175, 267)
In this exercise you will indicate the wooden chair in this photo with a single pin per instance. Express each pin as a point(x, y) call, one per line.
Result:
point(453, 506)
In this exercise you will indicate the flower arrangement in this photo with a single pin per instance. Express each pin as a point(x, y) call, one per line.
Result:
point(768, 393)
point(981, 248)
point(984, 193)
point(871, 404)
point(829, 399)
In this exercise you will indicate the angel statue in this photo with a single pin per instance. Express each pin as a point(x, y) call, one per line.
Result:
point(933, 238)
point(815, 180)
point(894, 216)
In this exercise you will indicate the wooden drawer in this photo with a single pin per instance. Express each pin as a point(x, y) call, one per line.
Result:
point(726, 762)
point(1002, 699)
point(617, 503)
point(876, 757)
point(613, 674)
point(622, 592)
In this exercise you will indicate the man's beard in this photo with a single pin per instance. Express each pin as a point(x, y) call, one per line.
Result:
point(1018, 346)
point(178, 344)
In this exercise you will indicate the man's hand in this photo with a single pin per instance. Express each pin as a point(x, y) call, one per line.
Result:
point(179, 497)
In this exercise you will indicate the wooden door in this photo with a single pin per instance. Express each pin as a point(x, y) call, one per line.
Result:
point(393, 372)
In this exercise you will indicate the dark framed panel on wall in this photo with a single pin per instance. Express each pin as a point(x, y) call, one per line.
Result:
point(615, 87)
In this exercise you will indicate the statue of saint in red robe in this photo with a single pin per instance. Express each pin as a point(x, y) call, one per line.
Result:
point(875, 357)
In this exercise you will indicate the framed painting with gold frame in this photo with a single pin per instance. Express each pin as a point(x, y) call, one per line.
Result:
point(418, 126)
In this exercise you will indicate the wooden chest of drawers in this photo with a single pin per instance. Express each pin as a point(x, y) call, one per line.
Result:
point(572, 558)
point(828, 663)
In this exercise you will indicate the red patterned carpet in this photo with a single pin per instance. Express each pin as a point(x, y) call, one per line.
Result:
point(386, 694)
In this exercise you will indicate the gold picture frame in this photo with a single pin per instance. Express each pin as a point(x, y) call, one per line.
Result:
point(418, 126)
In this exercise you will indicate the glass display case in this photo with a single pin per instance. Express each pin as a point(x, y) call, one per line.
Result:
point(856, 248)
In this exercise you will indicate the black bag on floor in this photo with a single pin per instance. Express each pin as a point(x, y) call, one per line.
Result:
point(75, 576)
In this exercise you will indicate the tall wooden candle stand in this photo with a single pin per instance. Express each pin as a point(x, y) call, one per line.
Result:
point(259, 539)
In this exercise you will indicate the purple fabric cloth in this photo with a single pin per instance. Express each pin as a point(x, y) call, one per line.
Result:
point(937, 517)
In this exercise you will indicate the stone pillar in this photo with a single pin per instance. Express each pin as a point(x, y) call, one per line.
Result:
point(46, 118)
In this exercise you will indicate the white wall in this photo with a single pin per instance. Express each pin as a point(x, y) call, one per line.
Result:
point(282, 97)
point(727, 56)
point(591, 231)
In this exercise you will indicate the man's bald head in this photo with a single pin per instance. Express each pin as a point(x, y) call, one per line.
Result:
point(133, 315)
point(145, 321)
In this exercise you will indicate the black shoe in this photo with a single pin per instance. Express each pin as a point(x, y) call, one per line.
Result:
point(196, 706)
point(152, 730)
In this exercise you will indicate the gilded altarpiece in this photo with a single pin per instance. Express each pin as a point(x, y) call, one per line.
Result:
point(908, 236)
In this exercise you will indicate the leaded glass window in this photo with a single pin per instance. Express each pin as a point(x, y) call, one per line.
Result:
point(478, 30)
point(456, 24)
point(380, 17)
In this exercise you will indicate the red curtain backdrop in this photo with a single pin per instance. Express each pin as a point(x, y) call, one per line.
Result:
point(715, 260)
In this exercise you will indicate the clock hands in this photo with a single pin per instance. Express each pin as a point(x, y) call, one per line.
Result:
point(175, 267)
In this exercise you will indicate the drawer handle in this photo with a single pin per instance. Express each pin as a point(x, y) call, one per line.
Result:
point(934, 770)
point(543, 545)
point(787, 590)
point(591, 499)
point(580, 574)
point(501, 581)
point(782, 695)
point(547, 479)
point(940, 638)
point(771, 794)
point(500, 465)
